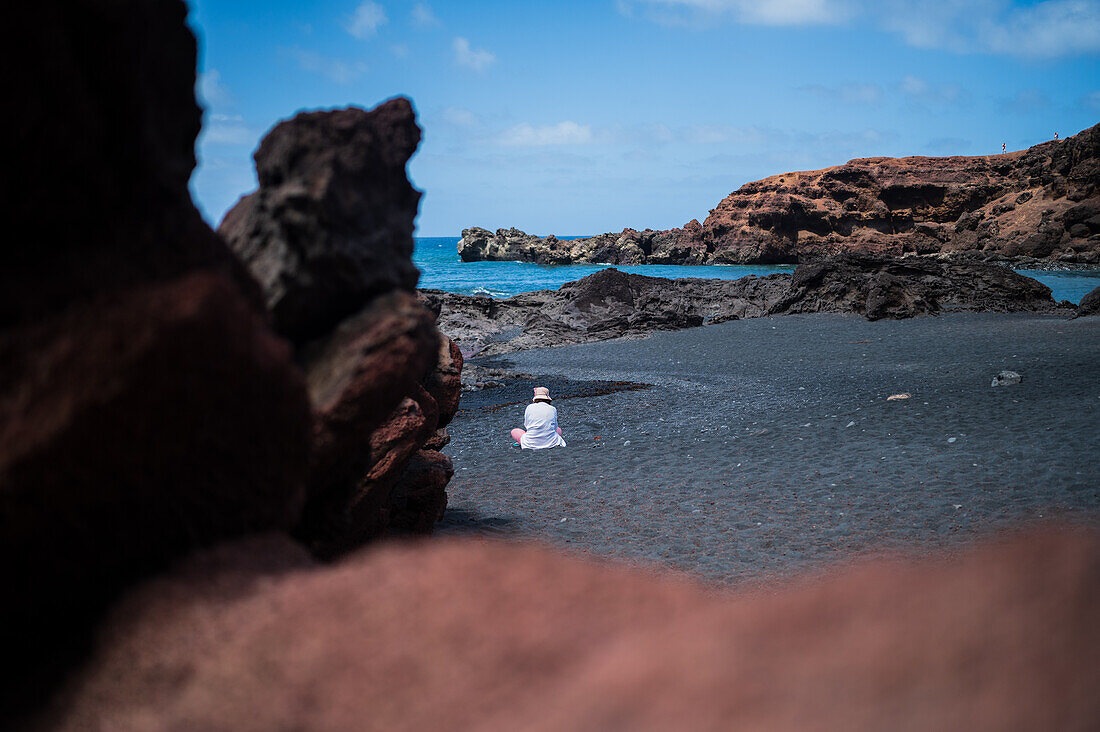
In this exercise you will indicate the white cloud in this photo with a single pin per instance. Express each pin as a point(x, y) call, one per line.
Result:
point(753, 12)
point(919, 90)
point(212, 90)
point(366, 19)
point(847, 93)
point(726, 135)
point(563, 133)
point(1051, 28)
point(1025, 101)
point(477, 59)
point(335, 70)
point(461, 117)
point(226, 129)
point(1044, 29)
point(423, 16)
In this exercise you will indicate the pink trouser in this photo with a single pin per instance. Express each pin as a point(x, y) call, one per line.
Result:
point(517, 434)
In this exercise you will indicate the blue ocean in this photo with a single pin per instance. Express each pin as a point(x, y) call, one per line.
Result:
point(441, 269)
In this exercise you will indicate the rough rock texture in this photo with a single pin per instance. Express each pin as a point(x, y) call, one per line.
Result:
point(329, 236)
point(331, 223)
point(603, 305)
point(491, 636)
point(1090, 304)
point(879, 287)
point(612, 304)
point(1036, 205)
point(678, 246)
point(145, 406)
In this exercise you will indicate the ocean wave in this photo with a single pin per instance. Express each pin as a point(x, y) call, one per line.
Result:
point(487, 291)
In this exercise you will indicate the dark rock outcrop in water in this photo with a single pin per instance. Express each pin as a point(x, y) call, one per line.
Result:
point(901, 288)
point(1038, 206)
point(331, 224)
point(1090, 304)
point(613, 304)
point(253, 637)
point(329, 236)
point(146, 408)
point(603, 305)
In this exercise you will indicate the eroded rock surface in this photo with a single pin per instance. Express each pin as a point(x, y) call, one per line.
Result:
point(331, 223)
point(613, 304)
point(1090, 304)
point(1037, 206)
point(900, 288)
point(501, 636)
point(603, 305)
point(328, 234)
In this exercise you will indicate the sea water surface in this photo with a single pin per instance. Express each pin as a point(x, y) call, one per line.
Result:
point(441, 269)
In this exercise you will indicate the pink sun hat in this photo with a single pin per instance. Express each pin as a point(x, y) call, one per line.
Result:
point(542, 394)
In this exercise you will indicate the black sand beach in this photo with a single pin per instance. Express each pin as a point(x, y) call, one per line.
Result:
point(766, 447)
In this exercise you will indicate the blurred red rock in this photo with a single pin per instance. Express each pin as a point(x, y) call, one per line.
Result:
point(485, 635)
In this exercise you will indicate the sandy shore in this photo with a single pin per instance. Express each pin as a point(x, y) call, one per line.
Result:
point(766, 447)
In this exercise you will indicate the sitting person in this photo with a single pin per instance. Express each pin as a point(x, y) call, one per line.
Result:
point(540, 424)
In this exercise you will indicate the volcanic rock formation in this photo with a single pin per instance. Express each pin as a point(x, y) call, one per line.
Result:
point(879, 287)
point(613, 304)
point(1040, 205)
point(146, 408)
point(488, 636)
point(1090, 304)
point(328, 234)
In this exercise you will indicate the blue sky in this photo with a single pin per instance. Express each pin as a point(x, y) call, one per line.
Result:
point(575, 117)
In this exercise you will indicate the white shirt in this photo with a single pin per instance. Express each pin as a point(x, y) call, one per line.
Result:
point(541, 422)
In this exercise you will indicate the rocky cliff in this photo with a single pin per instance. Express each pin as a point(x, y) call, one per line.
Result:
point(613, 304)
point(1037, 206)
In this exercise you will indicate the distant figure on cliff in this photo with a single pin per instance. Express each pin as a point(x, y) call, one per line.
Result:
point(1003, 147)
point(540, 424)
point(1056, 136)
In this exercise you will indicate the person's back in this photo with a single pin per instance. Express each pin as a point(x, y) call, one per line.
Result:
point(540, 424)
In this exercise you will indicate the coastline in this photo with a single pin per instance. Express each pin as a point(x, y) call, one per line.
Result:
point(737, 463)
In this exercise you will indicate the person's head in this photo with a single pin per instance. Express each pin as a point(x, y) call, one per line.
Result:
point(542, 394)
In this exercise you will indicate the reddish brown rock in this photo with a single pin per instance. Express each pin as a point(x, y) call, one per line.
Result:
point(145, 406)
point(134, 428)
point(444, 383)
point(1042, 203)
point(492, 636)
point(356, 378)
point(369, 512)
point(418, 499)
point(331, 223)
point(328, 234)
